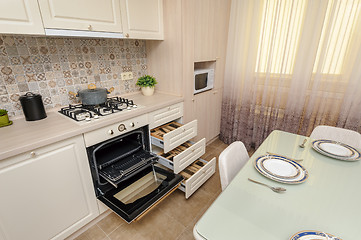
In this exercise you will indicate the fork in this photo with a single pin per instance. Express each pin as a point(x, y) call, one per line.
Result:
point(275, 189)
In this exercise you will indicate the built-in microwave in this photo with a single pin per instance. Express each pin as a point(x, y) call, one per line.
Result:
point(203, 80)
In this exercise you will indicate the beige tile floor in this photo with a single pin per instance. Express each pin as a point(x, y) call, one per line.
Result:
point(173, 218)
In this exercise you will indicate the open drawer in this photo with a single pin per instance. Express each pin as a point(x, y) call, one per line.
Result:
point(173, 134)
point(196, 174)
point(180, 157)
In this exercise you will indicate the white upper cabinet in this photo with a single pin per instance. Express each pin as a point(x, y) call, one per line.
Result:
point(142, 19)
point(86, 15)
point(20, 17)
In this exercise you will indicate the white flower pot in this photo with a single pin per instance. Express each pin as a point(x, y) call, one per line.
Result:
point(147, 91)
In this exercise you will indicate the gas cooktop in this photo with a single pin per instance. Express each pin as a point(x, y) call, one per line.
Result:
point(87, 113)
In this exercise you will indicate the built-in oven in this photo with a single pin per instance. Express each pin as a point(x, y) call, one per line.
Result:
point(123, 169)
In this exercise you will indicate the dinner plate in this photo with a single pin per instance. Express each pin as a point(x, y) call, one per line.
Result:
point(313, 235)
point(280, 169)
point(336, 150)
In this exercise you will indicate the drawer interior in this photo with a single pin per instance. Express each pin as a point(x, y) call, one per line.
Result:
point(189, 171)
point(171, 154)
point(159, 132)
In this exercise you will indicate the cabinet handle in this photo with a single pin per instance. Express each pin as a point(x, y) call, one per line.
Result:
point(32, 154)
point(192, 100)
point(110, 132)
point(90, 28)
point(168, 108)
point(127, 35)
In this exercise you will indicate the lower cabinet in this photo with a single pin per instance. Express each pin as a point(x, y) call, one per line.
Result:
point(171, 142)
point(47, 193)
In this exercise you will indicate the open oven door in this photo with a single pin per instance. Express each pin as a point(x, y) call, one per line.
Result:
point(137, 194)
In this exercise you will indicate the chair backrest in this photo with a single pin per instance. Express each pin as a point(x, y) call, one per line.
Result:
point(342, 135)
point(231, 161)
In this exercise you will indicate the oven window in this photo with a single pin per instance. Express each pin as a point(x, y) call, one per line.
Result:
point(200, 81)
point(140, 188)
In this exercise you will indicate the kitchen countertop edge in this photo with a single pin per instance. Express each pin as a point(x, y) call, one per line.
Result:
point(23, 136)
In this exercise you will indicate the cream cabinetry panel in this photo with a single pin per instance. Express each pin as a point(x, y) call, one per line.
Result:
point(20, 17)
point(207, 109)
point(201, 176)
point(142, 18)
point(170, 140)
point(210, 29)
point(48, 193)
point(87, 15)
point(164, 115)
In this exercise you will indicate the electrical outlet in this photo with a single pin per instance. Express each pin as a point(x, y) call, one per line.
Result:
point(126, 75)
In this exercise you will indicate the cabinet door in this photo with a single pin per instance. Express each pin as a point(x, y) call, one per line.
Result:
point(88, 15)
point(214, 113)
point(208, 106)
point(47, 194)
point(20, 17)
point(210, 29)
point(202, 107)
point(142, 19)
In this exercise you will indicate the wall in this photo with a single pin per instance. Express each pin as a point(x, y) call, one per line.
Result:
point(54, 66)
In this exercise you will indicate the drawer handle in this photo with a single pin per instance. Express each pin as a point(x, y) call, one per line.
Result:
point(32, 154)
point(168, 108)
point(127, 35)
point(184, 129)
point(90, 27)
point(110, 132)
point(193, 150)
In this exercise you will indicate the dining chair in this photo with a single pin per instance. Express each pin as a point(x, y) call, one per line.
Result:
point(342, 135)
point(231, 161)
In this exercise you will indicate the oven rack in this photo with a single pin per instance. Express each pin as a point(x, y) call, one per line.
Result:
point(125, 168)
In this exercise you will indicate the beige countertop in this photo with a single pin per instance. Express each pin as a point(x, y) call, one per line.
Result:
point(23, 136)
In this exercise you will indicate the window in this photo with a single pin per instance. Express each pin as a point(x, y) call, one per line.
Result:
point(281, 29)
point(337, 31)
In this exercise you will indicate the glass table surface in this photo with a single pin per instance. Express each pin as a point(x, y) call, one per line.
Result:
point(329, 200)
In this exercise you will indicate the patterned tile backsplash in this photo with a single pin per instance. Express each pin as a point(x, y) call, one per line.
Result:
point(54, 66)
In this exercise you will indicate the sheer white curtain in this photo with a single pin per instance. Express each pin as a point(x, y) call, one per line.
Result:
point(291, 65)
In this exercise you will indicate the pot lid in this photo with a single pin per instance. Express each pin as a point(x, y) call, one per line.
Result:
point(29, 96)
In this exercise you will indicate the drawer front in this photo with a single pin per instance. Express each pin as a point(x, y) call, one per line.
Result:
point(200, 177)
point(182, 160)
point(180, 135)
point(165, 115)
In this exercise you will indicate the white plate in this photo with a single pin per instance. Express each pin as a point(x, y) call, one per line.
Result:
point(280, 168)
point(313, 235)
point(289, 172)
point(356, 155)
point(336, 149)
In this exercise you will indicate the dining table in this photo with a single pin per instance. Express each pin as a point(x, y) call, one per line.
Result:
point(329, 200)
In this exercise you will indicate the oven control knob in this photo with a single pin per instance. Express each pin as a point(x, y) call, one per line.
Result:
point(132, 124)
point(121, 128)
point(110, 132)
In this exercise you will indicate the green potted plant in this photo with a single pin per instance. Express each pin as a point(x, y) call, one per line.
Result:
point(147, 84)
point(4, 118)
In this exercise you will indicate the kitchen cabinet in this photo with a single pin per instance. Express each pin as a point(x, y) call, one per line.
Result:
point(196, 35)
point(47, 193)
point(142, 19)
point(20, 17)
point(85, 15)
point(207, 108)
point(171, 141)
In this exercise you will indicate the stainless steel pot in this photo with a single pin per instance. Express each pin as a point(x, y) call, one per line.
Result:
point(93, 95)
